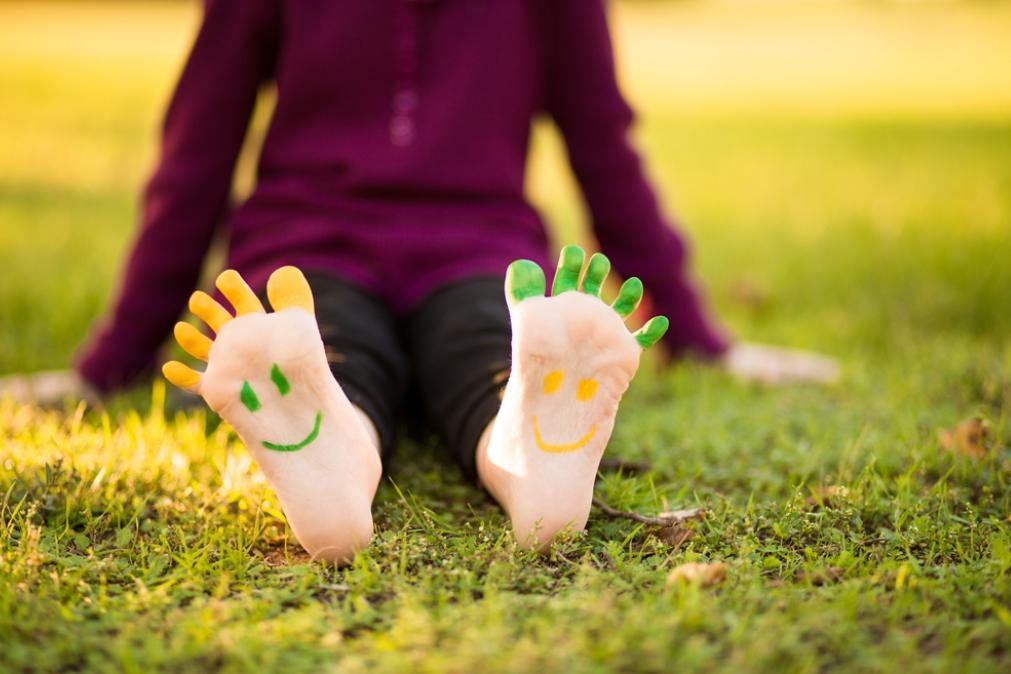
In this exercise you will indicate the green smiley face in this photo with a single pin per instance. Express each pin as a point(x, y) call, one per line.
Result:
point(249, 398)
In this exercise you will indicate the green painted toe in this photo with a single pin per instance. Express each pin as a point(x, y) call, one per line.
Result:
point(524, 278)
point(628, 297)
point(596, 272)
point(652, 331)
point(570, 264)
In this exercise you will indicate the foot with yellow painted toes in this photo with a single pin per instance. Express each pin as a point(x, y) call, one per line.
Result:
point(572, 359)
point(267, 376)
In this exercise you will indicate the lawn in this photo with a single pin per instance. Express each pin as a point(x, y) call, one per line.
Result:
point(844, 171)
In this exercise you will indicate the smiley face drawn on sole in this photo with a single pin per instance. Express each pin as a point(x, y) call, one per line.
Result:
point(551, 385)
point(561, 449)
point(252, 403)
point(568, 402)
point(287, 288)
point(298, 445)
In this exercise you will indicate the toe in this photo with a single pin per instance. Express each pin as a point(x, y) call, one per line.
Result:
point(628, 297)
point(192, 341)
point(596, 271)
point(524, 279)
point(207, 309)
point(287, 287)
point(570, 264)
point(238, 293)
point(181, 375)
point(650, 333)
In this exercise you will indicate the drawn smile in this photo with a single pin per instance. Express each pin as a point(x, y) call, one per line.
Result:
point(561, 449)
point(298, 445)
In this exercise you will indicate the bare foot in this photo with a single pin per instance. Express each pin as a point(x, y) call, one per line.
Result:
point(268, 377)
point(572, 360)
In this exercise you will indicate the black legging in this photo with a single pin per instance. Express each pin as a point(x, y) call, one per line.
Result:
point(451, 353)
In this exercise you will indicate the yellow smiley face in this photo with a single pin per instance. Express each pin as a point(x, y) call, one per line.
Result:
point(586, 389)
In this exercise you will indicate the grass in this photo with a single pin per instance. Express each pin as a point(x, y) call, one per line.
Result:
point(874, 228)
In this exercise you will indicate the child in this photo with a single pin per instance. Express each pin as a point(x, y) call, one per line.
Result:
point(392, 173)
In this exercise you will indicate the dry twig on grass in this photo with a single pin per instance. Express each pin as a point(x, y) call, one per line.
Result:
point(667, 519)
point(665, 526)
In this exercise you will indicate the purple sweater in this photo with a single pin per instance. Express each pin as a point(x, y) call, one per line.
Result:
point(395, 158)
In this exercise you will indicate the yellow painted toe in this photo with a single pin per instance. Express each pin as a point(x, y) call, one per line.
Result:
point(181, 375)
point(192, 341)
point(208, 310)
point(238, 293)
point(288, 288)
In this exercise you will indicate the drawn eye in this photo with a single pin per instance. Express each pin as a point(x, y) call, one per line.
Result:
point(552, 381)
point(248, 397)
point(280, 381)
point(587, 389)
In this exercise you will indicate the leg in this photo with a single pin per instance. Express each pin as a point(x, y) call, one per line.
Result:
point(268, 376)
point(458, 342)
point(363, 350)
point(572, 359)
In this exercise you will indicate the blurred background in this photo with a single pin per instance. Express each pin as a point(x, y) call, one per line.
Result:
point(843, 168)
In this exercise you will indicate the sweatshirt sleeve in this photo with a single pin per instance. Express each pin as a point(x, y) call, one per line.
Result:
point(583, 98)
point(188, 194)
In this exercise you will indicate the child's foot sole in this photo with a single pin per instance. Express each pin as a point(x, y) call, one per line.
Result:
point(267, 376)
point(573, 358)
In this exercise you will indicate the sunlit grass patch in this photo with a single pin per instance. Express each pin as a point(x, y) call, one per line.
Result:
point(153, 542)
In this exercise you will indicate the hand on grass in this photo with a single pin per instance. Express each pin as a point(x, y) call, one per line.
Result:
point(51, 388)
point(776, 365)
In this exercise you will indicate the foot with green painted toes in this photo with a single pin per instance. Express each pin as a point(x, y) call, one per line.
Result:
point(573, 358)
point(267, 375)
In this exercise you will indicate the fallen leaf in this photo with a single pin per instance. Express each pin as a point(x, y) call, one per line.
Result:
point(705, 575)
point(674, 535)
point(969, 438)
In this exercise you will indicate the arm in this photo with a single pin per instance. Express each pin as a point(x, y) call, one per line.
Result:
point(187, 196)
point(582, 96)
